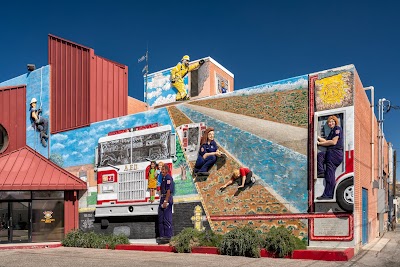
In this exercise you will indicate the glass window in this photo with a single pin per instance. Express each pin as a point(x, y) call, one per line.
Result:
point(154, 146)
point(48, 194)
point(115, 152)
point(47, 220)
point(11, 195)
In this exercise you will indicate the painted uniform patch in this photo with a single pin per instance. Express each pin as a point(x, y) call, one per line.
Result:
point(337, 132)
point(168, 181)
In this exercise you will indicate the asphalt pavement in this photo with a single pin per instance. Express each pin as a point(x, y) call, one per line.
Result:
point(383, 251)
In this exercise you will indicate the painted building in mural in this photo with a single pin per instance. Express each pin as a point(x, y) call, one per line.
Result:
point(277, 130)
point(209, 79)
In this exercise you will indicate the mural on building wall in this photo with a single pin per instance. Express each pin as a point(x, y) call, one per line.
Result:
point(39, 122)
point(161, 90)
point(38, 88)
point(265, 130)
point(268, 135)
point(334, 181)
point(334, 91)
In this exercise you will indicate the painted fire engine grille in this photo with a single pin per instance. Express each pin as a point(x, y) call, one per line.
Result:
point(131, 186)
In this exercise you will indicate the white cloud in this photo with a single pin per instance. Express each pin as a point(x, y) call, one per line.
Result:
point(59, 137)
point(71, 141)
point(85, 142)
point(65, 156)
point(154, 93)
point(74, 153)
point(159, 81)
point(57, 146)
point(121, 121)
point(164, 100)
point(158, 84)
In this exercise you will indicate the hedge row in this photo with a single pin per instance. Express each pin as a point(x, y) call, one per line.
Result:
point(240, 241)
point(81, 239)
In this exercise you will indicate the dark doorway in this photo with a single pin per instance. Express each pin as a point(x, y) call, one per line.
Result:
point(194, 83)
point(15, 221)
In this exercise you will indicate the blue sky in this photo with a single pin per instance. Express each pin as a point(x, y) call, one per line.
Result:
point(258, 41)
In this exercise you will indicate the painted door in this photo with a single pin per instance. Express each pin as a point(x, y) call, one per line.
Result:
point(364, 216)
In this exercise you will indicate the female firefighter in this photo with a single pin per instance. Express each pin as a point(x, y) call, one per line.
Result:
point(332, 157)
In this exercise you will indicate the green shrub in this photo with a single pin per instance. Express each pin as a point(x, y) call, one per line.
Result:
point(185, 240)
point(81, 239)
point(282, 242)
point(210, 239)
point(300, 243)
point(241, 242)
point(113, 240)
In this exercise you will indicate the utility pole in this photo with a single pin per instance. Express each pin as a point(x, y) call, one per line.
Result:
point(145, 71)
point(384, 107)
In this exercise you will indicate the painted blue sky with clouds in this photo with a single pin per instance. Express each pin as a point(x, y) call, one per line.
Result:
point(77, 146)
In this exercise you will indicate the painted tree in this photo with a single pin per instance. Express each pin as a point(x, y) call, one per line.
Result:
point(57, 159)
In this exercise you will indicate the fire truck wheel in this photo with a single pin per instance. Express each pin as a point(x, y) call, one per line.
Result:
point(345, 195)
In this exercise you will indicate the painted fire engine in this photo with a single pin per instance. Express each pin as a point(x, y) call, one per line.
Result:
point(122, 159)
point(344, 188)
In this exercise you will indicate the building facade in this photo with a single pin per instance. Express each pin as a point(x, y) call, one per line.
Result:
point(272, 129)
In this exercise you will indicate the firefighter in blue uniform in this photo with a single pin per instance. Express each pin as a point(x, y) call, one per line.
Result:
point(208, 153)
point(332, 157)
point(165, 206)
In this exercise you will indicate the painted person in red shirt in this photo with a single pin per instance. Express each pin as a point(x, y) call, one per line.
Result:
point(247, 178)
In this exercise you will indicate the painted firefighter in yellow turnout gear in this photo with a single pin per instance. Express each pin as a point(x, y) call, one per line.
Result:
point(179, 72)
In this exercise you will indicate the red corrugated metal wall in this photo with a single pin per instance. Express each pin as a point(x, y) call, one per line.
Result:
point(69, 72)
point(85, 88)
point(13, 115)
point(71, 215)
point(108, 89)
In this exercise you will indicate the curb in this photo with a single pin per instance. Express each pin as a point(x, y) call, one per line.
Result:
point(30, 246)
point(155, 248)
point(322, 255)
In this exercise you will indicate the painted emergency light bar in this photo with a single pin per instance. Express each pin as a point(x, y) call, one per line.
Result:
point(122, 160)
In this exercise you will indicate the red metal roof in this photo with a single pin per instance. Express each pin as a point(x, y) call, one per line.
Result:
point(25, 169)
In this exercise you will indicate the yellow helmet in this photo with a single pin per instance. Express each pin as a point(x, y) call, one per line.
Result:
point(186, 57)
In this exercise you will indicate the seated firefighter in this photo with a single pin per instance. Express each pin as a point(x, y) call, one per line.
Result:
point(208, 153)
point(38, 122)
